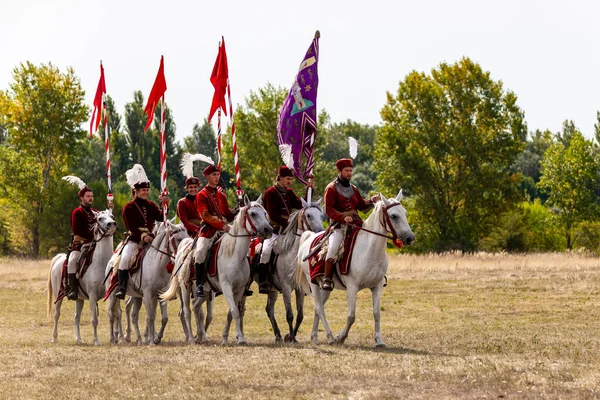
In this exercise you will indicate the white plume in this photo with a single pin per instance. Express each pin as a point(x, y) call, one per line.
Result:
point(135, 175)
point(73, 180)
point(286, 155)
point(353, 144)
point(187, 163)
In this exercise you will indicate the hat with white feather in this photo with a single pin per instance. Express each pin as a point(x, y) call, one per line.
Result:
point(137, 178)
point(73, 180)
point(187, 167)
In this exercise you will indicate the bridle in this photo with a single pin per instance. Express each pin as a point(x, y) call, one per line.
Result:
point(103, 233)
point(385, 223)
point(252, 232)
point(302, 221)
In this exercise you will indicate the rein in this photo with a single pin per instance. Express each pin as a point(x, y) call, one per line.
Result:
point(246, 219)
point(385, 223)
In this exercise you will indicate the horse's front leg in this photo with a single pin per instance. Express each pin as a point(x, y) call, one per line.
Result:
point(299, 310)
point(235, 315)
point(289, 313)
point(77, 320)
point(112, 325)
point(201, 336)
point(151, 303)
point(164, 318)
point(351, 294)
point(135, 317)
point(270, 309)
point(128, 306)
point(376, 293)
point(94, 311)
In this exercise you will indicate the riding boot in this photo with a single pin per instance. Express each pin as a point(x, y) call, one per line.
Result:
point(73, 288)
point(327, 280)
point(200, 278)
point(123, 276)
point(263, 283)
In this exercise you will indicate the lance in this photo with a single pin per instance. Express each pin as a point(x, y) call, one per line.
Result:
point(109, 196)
point(239, 191)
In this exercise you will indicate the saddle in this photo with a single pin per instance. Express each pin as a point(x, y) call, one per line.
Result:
point(85, 260)
point(316, 263)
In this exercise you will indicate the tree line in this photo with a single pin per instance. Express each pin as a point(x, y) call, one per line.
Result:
point(454, 140)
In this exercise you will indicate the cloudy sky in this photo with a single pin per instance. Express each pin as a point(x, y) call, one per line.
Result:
point(544, 51)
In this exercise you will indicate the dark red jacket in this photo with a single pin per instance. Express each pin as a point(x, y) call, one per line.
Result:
point(138, 214)
point(214, 210)
point(188, 214)
point(82, 222)
point(279, 205)
point(337, 207)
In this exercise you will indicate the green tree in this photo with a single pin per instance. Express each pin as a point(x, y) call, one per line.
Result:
point(570, 177)
point(449, 138)
point(203, 140)
point(44, 110)
point(175, 179)
point(528, 163)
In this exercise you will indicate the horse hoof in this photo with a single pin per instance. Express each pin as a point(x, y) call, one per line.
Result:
point(54, 340)
point(157, 341)
point(79, 341)
point(224, 343)
point(380, 345)
point(278, 339)
point(289, 338)
point(96, 343)
point(242, 343)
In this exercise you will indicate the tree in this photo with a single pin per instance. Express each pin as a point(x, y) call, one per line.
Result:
point(449, 138)
point(528, 163)
point(203, 140)
point(570, 177)
point(44, 110)
point(175, 179)
point(597, 128)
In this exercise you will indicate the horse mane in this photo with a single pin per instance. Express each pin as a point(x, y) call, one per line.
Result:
point(374, 218)
point(287, 238)
point(228, 241)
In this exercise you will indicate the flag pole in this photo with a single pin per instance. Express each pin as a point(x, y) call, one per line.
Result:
point(163, 158)
point(219, 139)
point(109, 196)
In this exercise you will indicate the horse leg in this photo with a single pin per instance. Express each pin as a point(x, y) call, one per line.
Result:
point(57, 306)
point(209, 313)
point(351, 293)
point(299, 310)
point(164, 314)
point(225, 336)
point(182, 318)
point(111, 321)
point(94, 311)
point(289, 313)
point(376, 293)
point(270, 309)
point(319, 298)
point(151, 303)
point(242, 308)
point(77, 319)
point(135, 318)
point(129, 303)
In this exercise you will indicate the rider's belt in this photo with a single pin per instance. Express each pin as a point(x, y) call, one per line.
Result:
point(351, 213)
point(80, 240)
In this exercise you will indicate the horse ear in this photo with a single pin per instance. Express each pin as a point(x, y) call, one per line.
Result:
point(304, 203)
point(385, 201)
point(317, 202)
point(259, 200)
point(246, 200)
point(400, 196)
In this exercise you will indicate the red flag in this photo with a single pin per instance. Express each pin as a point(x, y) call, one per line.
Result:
point(218, 78)
point(158, 90)
point(98, 102)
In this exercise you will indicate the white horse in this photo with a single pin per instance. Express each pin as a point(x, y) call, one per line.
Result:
point(91, 283)
point(233, 270)
point(309, 218)
point(147, 282)
point(367, 268)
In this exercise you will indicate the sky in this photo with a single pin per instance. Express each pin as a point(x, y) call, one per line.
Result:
point(546, 52)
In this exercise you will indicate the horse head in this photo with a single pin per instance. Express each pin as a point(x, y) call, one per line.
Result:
point(394, 219)
point(173, 233)
point(312, 215)
point(256, 220)
point(105, 223)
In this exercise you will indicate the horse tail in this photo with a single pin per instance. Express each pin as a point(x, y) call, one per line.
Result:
point(300, 277)
point(50, 297)
point(172, 290)
point(180, 267)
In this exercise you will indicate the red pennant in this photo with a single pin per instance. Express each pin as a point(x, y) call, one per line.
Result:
point(158, 90)
point(98, 102)
point(218, 78)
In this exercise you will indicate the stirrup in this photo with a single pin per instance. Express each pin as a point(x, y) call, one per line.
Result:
point(327, 284)
point(264, 288)
point(200, 291)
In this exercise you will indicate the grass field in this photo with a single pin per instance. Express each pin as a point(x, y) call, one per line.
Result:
point(477, 326)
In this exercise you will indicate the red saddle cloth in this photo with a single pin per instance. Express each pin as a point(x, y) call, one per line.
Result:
point(139, 260)
point(212, 270)
point(317, 264)
point(82, 268)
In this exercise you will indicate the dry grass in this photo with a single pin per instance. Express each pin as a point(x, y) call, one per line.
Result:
point(479, 326)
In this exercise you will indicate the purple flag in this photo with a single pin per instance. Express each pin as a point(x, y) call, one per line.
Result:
point(297, 125)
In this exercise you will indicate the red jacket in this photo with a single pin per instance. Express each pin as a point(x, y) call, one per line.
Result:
point(337, 206)
point(82, 222)
point(188, 214)
point(279, 206)
point(213, 209)
point(139, 214)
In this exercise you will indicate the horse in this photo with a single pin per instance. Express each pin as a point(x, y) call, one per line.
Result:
point(309, 218)
point(91, 286)
point(367, 268)
point(233, 270)
point(147, 282)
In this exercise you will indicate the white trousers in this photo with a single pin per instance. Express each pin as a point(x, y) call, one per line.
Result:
point(73, 259)
point(335, 241)
point(267, 249)
point(202, 246)
point(128, 251)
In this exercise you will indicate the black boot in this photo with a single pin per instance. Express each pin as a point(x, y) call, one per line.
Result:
point(73, 287)
point(200, 279)
point(263, 283)
point(327, 280)
point(123, 276)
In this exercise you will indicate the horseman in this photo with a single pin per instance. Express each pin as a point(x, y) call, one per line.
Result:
point(342, 203)
point(212, 206)
point(186, 207)
point(279, 201)
point(140, 216)
point(83, 219)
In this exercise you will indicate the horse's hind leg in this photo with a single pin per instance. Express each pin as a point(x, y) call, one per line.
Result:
point(225, 336)
point(209, 313)
point(376, 293)
point(320, 298)
point(94, 312)
point(128, 305)
point(289, 313)
point(164, 314)
point(351, 293)
point(56, 316)
point(270, 309)
point(135, 317)
point(151, 303)
point(299, 310)
point(77, 319)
